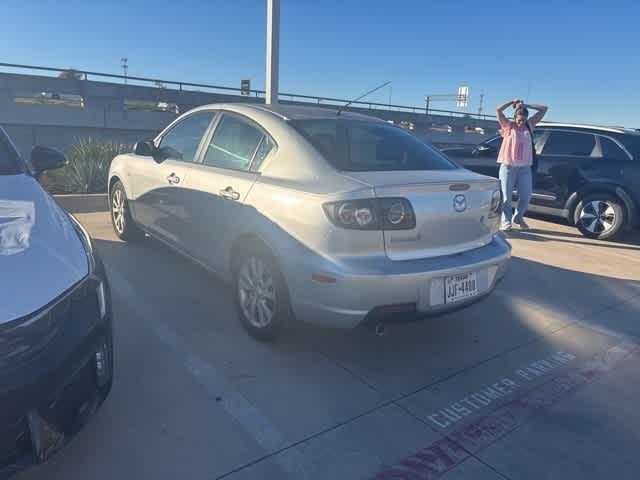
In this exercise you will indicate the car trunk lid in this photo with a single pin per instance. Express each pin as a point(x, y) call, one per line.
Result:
point(452, 209)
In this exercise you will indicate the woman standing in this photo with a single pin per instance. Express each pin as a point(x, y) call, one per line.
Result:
point(516, 159)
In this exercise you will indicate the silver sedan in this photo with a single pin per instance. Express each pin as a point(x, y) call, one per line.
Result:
point(328, 217)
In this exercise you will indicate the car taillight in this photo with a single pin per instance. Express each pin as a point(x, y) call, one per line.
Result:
point(496, 203)
point(372, 214)
point(397, 214)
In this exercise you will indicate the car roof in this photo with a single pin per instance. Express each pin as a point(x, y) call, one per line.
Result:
point(590, 128)
point(297, 112)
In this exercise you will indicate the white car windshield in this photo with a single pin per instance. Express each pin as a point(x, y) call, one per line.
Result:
point(9, 161)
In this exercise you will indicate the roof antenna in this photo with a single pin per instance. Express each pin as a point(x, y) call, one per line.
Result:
point(360, 97)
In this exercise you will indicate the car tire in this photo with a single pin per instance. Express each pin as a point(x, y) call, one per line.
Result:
point(123, 225)
point(260, 293)
point(601, 216)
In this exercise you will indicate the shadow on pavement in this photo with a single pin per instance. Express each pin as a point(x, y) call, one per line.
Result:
point(629, 237)
point(329, 377)
point(631, 241)
point(163, 276)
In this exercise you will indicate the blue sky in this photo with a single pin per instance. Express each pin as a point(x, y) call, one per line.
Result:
point(580, 58)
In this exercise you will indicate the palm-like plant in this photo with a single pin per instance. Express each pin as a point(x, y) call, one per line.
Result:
point(88, 167)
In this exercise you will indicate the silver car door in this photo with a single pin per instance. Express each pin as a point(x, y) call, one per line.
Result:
point(161, 195)
point(219, 186)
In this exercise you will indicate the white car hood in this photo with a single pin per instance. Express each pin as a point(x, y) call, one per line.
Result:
point(41, 255)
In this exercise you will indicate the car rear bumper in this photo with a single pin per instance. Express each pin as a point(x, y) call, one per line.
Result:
point(48, 398)
point(352, 291)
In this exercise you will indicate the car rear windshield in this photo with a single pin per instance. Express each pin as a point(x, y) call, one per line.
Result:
point(364, 146)
point(9, 162)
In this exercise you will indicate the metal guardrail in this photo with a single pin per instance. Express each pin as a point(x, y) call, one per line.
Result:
point(257, 93)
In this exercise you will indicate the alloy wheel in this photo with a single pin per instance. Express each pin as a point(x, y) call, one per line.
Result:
point(257, 292)
point(118, 210)
point(598, 217)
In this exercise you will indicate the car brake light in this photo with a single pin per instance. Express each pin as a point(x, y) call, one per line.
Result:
point(396, 213)
point(496, 203)
point(372, 214)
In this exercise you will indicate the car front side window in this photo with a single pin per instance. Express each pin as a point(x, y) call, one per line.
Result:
point(182, 141)
point(494, 144)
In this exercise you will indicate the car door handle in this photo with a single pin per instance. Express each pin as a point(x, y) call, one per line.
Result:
point(173, 179)
point(230, 194)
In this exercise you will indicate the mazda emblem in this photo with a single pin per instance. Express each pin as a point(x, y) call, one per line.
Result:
point(459, 203)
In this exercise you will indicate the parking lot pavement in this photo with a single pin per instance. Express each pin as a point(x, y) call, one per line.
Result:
point(539, 380)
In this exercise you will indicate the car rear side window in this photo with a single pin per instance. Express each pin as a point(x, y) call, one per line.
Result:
point(360, 146)
point(233, 144)
point(632, 144)
point(569, 143)
point(611, 150)
point(182, 141)
point(265, 148)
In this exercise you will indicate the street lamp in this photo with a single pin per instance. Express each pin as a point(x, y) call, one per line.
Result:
point(273, 51)
point(125, 68)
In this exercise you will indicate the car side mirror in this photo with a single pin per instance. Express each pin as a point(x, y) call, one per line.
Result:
point(45, 158)
point(145, 148)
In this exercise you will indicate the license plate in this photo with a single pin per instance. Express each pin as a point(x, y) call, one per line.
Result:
point(460, 287)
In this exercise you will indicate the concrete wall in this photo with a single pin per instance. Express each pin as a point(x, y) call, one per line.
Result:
point(105, 117)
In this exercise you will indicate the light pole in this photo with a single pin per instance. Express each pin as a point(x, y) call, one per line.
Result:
point(125, 67)
point(273, 51)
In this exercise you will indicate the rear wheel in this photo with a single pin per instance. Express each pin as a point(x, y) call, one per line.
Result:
point(602, 216)
point(260, 294)
point(123, 224)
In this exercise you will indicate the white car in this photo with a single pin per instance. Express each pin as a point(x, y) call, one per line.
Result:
point(56, 335)
point(324, 216)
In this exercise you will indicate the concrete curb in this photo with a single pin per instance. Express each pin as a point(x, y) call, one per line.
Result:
point(83, 203)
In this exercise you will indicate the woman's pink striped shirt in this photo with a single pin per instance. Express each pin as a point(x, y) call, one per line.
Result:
point(516, 146)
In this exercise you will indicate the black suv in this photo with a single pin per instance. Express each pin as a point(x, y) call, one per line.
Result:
point(588, 175)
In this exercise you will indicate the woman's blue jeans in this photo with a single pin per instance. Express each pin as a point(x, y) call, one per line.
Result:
point(515, 178)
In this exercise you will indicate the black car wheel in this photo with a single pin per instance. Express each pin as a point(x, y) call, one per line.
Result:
point(600, 216)
point(121, 219)
point(261, 294)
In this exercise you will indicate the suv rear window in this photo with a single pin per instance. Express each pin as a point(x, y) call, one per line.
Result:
point(361, 146)
point(9, 162)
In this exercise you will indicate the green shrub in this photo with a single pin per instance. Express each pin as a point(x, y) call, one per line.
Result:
point(88, 167)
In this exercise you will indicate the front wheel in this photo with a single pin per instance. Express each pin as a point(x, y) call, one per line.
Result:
point(123, 224)
point(261, 295)
point(601, 216)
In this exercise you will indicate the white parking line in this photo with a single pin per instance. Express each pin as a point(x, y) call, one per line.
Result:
point(233, 402)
